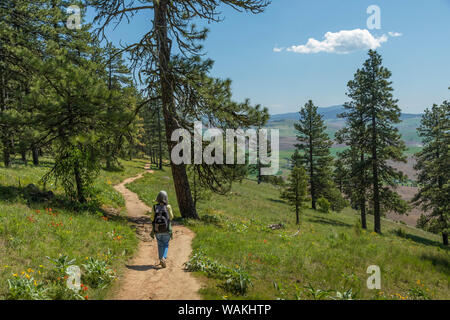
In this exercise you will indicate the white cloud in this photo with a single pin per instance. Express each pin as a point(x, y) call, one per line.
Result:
point(341, 42)
point(395, 34)
point(277, 49)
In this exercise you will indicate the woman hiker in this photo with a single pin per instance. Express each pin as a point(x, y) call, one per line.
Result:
point(162, 226)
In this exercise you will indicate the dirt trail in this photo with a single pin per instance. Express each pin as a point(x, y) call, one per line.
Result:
point(144, 279)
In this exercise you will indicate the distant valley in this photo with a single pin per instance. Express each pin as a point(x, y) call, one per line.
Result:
point(285, 123)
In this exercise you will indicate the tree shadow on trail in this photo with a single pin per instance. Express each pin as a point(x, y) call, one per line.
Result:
point(140, 220)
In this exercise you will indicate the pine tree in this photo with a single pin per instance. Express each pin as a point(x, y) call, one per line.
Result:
point(374, 111)
point(18, 40)
point(296, 159)
point(117, 77)
point(172, 30)
point(356, 135)
point(314, 148)
point(72, 102)
point(340, 174)
point(433, 165)
point(295, 192)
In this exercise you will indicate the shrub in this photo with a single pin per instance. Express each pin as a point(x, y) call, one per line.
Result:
point(324, 205)
point(317, 294)
point(97, 273)
point(60, 291)
point(345, 295)
point(211, 219)
point(237, 281)
point(418, 293)
point(25, 288)
point(337, 201)
point(60, 265)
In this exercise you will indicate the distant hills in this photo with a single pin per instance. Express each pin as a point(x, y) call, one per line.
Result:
point(285, 123)
point(329, 113)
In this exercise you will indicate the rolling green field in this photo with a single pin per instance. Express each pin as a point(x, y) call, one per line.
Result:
point(30, 231)
point(407, 128)
point(285, 156)
point(327, 257)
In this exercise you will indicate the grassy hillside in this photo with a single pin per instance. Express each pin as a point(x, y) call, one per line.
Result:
point(31, 230)
point(329, 252)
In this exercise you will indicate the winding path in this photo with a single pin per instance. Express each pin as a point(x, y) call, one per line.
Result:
point(144, 279)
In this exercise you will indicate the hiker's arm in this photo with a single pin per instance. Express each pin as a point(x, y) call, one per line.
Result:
point(152, 214)
point(169, 207)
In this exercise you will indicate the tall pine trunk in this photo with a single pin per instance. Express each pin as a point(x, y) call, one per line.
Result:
point(23, 153)
point(4, 133)
point(108, 157)
point(159, 138)
point(35, 155)
point(180, 178)
point(79, 183)
point(363, 197)
point(363, 213)
point(445, 238)
point(376, 185)
point(443, 220)
point(6, 154)
point(312, 183)
point(108, 145)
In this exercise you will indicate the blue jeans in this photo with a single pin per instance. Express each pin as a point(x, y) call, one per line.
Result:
point(163, 244)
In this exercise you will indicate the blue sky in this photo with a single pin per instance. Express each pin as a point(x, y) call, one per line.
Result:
point(243, 49)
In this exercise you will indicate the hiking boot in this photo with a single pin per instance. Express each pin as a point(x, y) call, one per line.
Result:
point(163, 263)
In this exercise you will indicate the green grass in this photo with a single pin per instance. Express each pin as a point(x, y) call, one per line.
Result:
point(329, 253)
point(29, 231)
